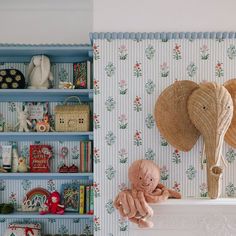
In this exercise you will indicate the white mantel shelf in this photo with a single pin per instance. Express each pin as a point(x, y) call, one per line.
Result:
point(198, 202)
point(192, 217)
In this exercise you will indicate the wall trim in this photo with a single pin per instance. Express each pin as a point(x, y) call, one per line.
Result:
point(162, 35)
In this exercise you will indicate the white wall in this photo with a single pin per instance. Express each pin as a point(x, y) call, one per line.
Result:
point(70, 21)
point(164, 15)
point(45, 21)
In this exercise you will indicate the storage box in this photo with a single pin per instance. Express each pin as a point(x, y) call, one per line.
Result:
point(23, 229)
point(72, 117)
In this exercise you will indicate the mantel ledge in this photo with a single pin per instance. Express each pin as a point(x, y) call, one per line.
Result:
point(198, 202)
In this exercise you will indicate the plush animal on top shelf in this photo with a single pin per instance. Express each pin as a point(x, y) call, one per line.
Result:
point(144, 176)
point(23, 122)
point(38, 73)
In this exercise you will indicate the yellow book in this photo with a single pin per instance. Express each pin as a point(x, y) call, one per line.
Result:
point(81, 199)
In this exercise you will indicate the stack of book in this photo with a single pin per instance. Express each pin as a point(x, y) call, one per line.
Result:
point(86, 200)
point(86, 157)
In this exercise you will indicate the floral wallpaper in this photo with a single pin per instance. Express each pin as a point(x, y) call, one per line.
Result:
point(129, 75)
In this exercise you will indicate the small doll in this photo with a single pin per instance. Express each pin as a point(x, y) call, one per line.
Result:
point(23, 121)
point(22, 166)
point(144, 176)
point(52, 205)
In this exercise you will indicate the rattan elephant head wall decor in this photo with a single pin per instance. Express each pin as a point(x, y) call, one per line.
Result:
point(185, 110)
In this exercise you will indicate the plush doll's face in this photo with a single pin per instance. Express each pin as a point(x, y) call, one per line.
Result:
point(55, 197)
point(21, 161)
point(144, 175)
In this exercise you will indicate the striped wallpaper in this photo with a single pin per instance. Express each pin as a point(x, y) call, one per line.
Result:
point(129, 76)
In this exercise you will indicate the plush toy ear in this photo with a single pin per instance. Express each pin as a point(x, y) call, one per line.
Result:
point(30, 68)
point(230, 136)
point(171, 115)
point(45, 67)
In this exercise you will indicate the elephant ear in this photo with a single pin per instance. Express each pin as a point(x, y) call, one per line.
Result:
point(172, 117)
point(230, 136)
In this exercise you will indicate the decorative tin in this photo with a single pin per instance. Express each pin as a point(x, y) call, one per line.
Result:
point(11, 79)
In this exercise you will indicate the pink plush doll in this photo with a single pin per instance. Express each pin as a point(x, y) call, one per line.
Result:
point(53, 206)
point(144, 176)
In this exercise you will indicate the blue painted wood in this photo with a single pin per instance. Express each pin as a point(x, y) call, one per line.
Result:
point(49, 136)
point(57, 53)
point(36, 215)
point(162, 35)
point(43, 95)
point(10, 53)
point(33, 176)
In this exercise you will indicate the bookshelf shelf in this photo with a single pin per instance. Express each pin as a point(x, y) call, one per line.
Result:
point(57, 52)
point(36, 215)
point(14, 176)
point(50, 136)
point(44, 95)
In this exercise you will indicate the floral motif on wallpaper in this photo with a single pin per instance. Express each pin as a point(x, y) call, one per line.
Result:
point(150, 52)
point(150, 87)
point(122, 87)
point(137, 79)
point(204, 51)
point(123, 52)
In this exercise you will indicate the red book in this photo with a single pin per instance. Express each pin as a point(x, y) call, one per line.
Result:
point(89, 157)
point(39, 158)
point(81, 156)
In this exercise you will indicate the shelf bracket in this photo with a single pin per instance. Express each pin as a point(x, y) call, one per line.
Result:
point(90, 53)
point(91, 136)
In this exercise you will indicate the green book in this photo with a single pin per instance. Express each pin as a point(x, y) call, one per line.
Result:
point(87, 196)
point(91, 208)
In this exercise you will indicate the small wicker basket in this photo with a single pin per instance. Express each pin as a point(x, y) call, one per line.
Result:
point(72, 117)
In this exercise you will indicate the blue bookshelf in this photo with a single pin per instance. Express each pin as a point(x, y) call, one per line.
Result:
point(21, 54)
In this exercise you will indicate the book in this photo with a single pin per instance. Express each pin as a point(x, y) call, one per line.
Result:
point(37, 112)
point(85, 156)
point(82, 75)
point(81, 157)
point(40, 155)
point(86, 159)
point(91, 199)
point(70, 196)
point(87, 196)
point(81, 199)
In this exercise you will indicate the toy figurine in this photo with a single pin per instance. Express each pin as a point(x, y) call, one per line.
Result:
point(53, 205)
point(22, 166)
point(43, 126)
point(23, 122)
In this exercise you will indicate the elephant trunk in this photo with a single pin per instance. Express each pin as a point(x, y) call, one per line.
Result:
point(213, 150)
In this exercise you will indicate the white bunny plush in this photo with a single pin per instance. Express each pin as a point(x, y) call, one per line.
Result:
point(38, 73)
point(23, 122)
